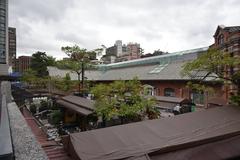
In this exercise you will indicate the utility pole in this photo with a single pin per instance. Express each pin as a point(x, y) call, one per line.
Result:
point(79, 85)
point(82, 77)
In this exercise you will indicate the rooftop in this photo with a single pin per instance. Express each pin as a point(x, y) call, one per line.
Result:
point(156, 59)
point(229, 29)
point(81, 105)
point(163, 67)
point(232, 29)
point(185, 134)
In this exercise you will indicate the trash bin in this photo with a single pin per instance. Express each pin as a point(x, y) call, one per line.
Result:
point(193, 107)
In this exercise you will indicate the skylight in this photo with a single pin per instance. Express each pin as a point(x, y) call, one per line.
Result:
point(159, 68)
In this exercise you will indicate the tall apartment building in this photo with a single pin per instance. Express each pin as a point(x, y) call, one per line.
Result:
point(3, 37)
point(115, 50)
point(11, 44)
point(118, 45)
point(228, 39)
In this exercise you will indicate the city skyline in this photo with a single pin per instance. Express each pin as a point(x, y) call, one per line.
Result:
point(169, 26)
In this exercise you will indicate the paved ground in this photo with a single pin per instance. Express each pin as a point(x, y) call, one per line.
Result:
point(52, 149)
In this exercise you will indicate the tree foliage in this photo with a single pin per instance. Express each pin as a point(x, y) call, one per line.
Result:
point(39, 63)
point(37, 75)
point(122, 99)
point(216, 64)
point(78, 61)
point(74, 66)
point(33, 81)
point(57, 117)
point(158, 52)
point(29, 76)
point(76, 53)
point(63, 84)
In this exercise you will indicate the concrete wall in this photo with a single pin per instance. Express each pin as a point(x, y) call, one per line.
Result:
point(6, 149)
point(18, 134)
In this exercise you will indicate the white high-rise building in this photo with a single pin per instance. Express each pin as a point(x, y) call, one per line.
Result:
point(4, 37)
point(118, 44)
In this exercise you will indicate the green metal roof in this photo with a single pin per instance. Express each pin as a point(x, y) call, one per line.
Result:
point(162, 59)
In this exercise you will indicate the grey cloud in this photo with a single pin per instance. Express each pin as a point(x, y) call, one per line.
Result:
point(89, 23)
point(40, 9)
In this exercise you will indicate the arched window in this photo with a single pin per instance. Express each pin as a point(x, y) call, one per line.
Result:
point(169, 92)
point(148, 90)
point(220, 39)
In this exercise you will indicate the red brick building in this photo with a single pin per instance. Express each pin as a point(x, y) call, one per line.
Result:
point(160, 75)
point(133, 51)
point(22, 63)
point(227, 39)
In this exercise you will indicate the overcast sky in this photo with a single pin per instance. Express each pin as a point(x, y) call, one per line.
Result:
point(169, 25)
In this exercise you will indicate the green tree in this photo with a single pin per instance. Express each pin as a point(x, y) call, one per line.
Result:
point(158, 52)
point(63, 84)
point(33, 81)
point(78, 62)
point(39, 63)
point(67, 82)
point(29, 77)
point(216, 64)
point(122, 99)
point(141, 51)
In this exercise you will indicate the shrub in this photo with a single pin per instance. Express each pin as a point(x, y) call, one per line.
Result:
point(33, 108)
point(43, 106)
point(56, 117)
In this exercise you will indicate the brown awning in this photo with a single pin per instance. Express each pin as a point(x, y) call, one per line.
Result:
point(81, 105)
point(158, 136)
